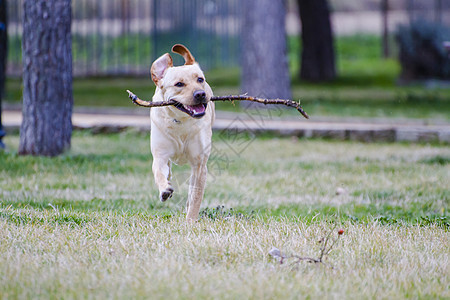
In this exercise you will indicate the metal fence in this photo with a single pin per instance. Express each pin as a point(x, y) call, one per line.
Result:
point(123, 37)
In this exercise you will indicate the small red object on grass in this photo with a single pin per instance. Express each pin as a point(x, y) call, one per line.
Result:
point(341, 231)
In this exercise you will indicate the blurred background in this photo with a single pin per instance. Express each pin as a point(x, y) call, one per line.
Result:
point(115, 41)
point(123, 37)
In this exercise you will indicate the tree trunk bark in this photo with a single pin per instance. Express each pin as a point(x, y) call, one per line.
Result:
point(385, 22)
point(3, 55)
point(318, 58)
point(265, 70)
point(47, 77)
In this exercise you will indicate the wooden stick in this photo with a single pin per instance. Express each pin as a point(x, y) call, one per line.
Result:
point(289, 103)
point(144, 103)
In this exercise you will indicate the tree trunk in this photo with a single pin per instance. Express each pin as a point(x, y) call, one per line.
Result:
point(385, 16)
point(3, 55)
point(438, 11)
point(318, 58)
point(47, 77)
point(265, 71)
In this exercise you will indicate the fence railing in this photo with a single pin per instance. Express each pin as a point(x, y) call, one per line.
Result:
point(123, 37)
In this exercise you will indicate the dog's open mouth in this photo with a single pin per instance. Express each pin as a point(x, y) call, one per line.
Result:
point(195, 111)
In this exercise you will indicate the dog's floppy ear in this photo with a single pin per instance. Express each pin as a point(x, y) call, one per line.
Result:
point(183, 51)
point(159, 66)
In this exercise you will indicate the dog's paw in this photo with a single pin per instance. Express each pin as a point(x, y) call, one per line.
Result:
point(166, 194)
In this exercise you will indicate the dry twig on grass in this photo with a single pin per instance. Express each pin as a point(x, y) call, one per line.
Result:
point(324, 251)
point(289, 103)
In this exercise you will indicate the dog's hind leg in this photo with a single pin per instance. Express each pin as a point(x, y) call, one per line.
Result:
point(196, 190)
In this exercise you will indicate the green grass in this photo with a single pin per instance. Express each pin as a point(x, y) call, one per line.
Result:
point(358, 61)
point(324, 100)
point(88, 224)
point(366, 87)
point(398, 182)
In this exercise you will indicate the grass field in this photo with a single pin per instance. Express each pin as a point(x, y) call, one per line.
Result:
point(334, 100)
point(365, 87)
point(88, 224)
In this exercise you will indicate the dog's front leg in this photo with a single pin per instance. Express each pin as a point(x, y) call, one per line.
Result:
point(161, 171)
point(162, 151)
point(196, 189)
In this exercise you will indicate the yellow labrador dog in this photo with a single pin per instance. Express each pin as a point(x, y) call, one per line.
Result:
point(181, 133)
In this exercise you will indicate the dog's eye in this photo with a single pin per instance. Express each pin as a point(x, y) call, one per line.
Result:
point(200, 80)
point(179, 84)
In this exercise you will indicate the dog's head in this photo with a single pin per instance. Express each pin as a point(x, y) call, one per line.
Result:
point(184, 84)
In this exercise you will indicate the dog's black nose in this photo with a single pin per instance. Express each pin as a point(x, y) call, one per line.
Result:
point(200, 95)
